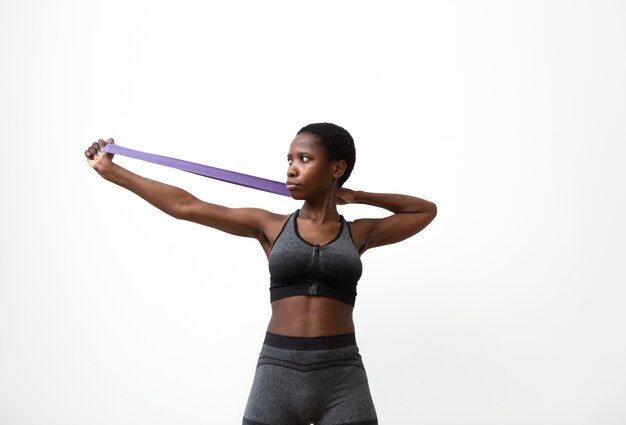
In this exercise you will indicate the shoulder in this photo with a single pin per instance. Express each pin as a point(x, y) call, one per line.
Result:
point(263, 219)
point(358, 232)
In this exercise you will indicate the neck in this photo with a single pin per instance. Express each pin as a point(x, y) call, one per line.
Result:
point(321, 210)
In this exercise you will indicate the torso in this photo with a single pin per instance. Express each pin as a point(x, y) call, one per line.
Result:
point(305, 315)
point(309, 316)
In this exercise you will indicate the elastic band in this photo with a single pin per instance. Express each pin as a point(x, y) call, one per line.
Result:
point(310, 343)
point(203, 170)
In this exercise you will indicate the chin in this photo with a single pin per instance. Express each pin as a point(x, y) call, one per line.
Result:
point(297, 196)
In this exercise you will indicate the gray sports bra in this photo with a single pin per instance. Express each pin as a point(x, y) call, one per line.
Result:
point(300, 268)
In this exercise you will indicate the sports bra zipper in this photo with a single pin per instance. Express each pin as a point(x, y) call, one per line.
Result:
point(315, 272)
point(317, 258)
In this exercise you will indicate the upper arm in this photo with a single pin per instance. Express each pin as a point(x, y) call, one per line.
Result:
point(373, 232)
point(247, 222)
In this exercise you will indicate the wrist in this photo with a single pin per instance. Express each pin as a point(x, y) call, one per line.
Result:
point(106, 171)
point(355, 196)
point(345, 195)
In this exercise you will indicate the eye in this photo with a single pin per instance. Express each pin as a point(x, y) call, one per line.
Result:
point(304, 158)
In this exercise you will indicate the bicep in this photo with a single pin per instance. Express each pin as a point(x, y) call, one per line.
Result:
point(247, 222)
point(374, 232)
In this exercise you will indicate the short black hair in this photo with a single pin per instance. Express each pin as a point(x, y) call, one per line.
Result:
point(338, 143)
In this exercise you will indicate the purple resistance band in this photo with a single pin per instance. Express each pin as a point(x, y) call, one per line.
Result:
point(203, 170)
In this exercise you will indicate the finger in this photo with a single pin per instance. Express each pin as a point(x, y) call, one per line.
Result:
point(97, 145)
point(88, 154)
point(109, 140)
point(101, 143)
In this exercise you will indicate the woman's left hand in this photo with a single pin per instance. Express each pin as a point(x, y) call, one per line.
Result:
point(344, 196)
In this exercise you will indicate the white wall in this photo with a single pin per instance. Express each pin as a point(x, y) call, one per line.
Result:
point(510, 116)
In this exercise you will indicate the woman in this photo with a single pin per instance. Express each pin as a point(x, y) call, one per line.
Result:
point(309, 369)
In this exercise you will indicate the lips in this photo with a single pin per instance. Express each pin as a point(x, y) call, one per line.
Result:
point(291, 185)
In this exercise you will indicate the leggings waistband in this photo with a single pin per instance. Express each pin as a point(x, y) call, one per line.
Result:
point(310, 343)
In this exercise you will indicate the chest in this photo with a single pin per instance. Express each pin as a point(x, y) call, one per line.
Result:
point(317, 234)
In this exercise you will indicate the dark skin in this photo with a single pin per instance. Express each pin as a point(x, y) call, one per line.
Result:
point(312, 178)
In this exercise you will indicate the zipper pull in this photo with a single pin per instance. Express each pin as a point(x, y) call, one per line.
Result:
point(317, 257)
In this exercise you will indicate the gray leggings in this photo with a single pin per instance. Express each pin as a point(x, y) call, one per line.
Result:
point(303, 381)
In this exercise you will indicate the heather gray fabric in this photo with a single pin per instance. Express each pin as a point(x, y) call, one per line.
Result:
point(300, 268)
point(303, 381)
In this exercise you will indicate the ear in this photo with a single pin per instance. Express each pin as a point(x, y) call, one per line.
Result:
point(338, 168)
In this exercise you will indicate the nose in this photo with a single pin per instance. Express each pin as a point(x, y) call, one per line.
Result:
point(291, 171)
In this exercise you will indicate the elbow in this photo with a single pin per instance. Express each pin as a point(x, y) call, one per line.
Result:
point(432, 211)
point(177, 214)
point(182, 209)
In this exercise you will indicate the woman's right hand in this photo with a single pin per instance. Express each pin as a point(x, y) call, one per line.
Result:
point(99, 160)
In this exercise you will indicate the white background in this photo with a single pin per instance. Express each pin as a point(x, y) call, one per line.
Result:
point(510, 116)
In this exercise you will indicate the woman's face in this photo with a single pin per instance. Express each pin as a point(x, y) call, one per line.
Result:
point(310, 172)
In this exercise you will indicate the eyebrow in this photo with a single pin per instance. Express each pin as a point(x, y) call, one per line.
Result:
point(301, 153)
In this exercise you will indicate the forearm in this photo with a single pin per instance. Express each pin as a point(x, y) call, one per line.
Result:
point(395, 203)
point(167, 198)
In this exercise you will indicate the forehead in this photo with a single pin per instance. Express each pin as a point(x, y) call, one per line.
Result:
point(305, 142)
